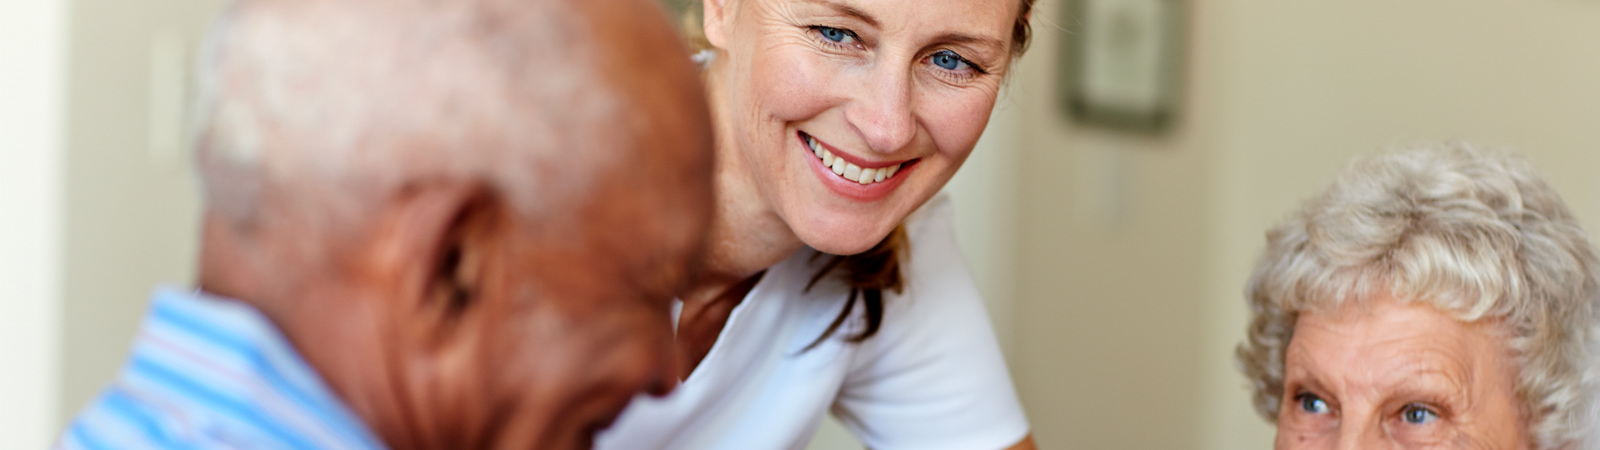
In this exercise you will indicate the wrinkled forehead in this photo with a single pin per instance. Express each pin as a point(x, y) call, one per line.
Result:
point(1386, 345)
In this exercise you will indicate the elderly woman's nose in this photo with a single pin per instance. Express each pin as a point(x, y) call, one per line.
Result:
point(881, 112)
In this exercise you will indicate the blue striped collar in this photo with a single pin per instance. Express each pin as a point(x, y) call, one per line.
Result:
point(210, 372)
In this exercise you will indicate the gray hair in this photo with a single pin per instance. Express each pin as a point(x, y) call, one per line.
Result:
point(1475, 233)
point(330, 104)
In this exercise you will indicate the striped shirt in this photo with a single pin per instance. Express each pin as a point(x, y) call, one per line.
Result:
point(214, 373)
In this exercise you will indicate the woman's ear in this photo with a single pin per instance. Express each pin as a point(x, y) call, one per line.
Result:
point(714, 22)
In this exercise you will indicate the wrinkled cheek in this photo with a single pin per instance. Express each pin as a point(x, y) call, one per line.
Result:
point(783, 86)
point(1298, 435)
point(1291, 440)
point(787, 85)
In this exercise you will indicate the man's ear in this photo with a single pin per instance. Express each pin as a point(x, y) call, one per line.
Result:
point(442, 238)
point(714, 22)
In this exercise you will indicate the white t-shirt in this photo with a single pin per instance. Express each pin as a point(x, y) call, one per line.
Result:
point(932, 378)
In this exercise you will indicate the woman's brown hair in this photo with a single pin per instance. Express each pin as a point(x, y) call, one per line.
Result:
point(868, 274)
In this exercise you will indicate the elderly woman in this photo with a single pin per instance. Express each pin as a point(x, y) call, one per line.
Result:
point(1438, 298)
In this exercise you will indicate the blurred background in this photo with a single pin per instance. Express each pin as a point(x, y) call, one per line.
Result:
point(1112, 252)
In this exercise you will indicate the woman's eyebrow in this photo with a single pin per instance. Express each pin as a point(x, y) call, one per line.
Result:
point(848, 10)
point(845, 9)
point(963, 38)
point(1426, 379)
point(1303, 380)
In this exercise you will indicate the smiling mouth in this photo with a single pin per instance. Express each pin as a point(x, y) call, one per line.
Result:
point(848, 170)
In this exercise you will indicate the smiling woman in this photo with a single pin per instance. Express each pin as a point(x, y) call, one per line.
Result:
point(832, 282)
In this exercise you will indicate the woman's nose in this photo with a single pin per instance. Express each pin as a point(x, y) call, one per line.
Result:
point(881, 113)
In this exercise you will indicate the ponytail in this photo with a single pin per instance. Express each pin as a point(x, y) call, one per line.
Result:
point(868, 274)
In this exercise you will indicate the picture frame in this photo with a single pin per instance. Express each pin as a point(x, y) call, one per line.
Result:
point(1121, 63)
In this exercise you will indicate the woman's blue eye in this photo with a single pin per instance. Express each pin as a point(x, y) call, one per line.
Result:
point(948, 60)
point(1418, 415)
point(1311, 404)
point(835, 34)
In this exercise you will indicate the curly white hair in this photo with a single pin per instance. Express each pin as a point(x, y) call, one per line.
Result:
point(1475, 233)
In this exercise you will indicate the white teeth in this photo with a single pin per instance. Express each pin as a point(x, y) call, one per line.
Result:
point(849, 171)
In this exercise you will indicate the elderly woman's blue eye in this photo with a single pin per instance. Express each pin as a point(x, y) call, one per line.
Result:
point(834, 34)
point(1418, 415)
point(1312, 404)
point(948, 60)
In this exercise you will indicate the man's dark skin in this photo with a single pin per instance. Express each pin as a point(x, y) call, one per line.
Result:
point(446, 311)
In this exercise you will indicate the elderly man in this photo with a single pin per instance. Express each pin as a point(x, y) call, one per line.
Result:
point(428, 224)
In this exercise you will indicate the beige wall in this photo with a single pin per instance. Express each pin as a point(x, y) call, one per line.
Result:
point(130, 201)
point(1113, 260)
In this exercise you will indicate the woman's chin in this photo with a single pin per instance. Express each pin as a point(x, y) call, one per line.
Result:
point(842, 249)
point(844, 239)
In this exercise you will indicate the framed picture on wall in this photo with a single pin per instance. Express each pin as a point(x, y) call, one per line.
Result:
point(1121, 63)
